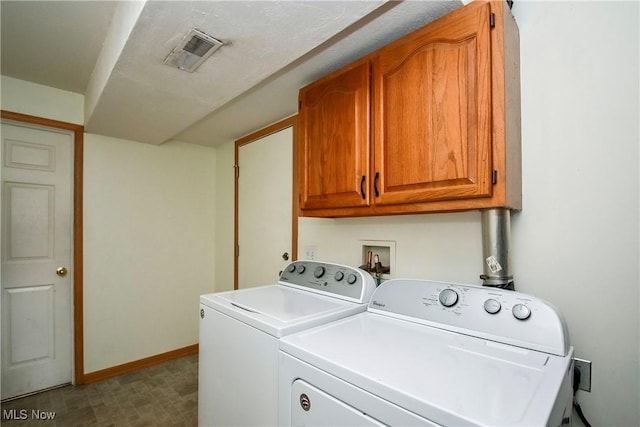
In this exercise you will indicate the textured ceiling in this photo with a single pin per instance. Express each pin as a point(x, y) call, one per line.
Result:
point(113, 52)
point(54, 43)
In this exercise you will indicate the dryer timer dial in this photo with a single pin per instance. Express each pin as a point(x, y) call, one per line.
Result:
point(521, 312)
point(448, 297)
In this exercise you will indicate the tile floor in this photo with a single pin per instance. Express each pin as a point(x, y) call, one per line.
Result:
point(160, 395)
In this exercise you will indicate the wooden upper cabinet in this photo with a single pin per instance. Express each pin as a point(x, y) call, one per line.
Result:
point(428, 123)
point(432, 120)
point(334, 140)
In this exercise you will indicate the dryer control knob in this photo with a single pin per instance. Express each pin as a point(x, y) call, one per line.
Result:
point(351, 279)
point(521, 312)
point(492, 306)
point(318, 272)
point(338, 276)
point(448, 297)
point(301, 269)
point(291, 268)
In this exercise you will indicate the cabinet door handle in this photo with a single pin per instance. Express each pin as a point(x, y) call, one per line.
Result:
point(364, 196)
point(375, 184)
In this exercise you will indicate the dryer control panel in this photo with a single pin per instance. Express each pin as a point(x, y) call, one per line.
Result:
point(335, 280)
point(498, 315)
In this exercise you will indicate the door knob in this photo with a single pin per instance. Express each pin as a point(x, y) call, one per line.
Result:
point(61, 271)
point(285, 256)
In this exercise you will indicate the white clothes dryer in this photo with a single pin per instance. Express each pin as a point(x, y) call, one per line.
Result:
point(239, 333)
point(431, 353)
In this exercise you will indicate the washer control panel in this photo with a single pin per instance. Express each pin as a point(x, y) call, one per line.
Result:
point(497, 314)
point(340, 281)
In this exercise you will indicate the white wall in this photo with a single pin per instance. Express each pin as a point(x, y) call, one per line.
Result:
point(149, 247)
point(438, 246)
point(576, 241)
point(23, 97)
point(149, 216)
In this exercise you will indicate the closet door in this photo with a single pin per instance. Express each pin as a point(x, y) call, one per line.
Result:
point(264, 216)
point(37, 273)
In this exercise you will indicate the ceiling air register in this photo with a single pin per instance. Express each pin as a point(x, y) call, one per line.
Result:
point(192, 51)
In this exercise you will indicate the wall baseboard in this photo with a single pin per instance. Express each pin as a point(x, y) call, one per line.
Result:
point(103, 374)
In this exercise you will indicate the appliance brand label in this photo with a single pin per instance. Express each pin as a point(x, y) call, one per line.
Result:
point(378, 304)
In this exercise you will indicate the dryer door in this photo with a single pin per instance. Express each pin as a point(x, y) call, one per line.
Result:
point(313, 407)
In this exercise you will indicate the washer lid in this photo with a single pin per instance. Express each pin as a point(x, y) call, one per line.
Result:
point(446, 377)
point(280, 310)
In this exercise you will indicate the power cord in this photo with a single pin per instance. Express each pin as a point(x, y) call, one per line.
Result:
point(576, 405)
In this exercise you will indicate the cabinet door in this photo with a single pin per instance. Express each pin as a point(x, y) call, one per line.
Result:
point(432, 117)
point(334, 140)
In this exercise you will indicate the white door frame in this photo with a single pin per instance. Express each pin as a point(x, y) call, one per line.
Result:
point(78, 150)
point(276, 127)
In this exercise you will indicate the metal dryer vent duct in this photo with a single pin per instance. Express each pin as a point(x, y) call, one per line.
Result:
point(496, 244)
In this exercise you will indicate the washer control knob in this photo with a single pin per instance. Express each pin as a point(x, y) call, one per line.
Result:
point(338, 276)
point(492, 306)
point(318, 272)
point(291, 268)
point(521, 312)
point(448, 297)
point(301, 269)
point(351, 279)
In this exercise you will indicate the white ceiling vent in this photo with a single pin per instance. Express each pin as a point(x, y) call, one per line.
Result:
point(194, 48)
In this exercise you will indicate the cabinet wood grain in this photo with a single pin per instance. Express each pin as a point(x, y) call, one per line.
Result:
point(334, 137)
point(428, 123)
point(432, 97)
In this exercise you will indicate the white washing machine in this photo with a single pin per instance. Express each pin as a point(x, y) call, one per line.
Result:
point(239, 333)
point(431, 353)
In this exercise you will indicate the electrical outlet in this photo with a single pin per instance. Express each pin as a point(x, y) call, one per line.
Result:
point(584, 366)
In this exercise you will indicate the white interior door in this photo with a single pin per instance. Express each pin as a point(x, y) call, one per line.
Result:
point(36, 242)
point(264, 208)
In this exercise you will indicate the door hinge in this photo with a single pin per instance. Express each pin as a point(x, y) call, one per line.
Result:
point(492, 20)
point(494, 177)
point(237, 250)
point(237, 170)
